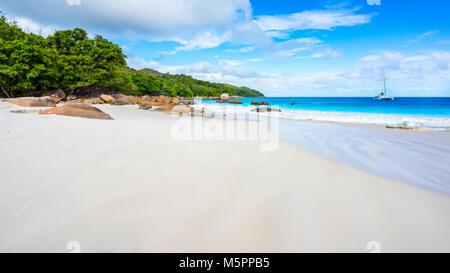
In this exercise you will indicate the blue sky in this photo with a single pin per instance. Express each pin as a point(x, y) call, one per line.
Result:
point(283, 47)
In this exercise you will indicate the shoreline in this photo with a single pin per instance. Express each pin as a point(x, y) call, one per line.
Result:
point(411, 122)
point(413, 157)
point(125, 185)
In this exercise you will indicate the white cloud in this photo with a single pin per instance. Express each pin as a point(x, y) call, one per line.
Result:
point(322, 53)
point(231, 62)
point(239, 62)
point(203, 40)
point(408, 75)
point(277, 34)
point(441, 59)
point(153, 20)
point(242, 49)
point(316, 19)
point(202, 70)
point(254, 60)
point(423, 36)
point(30, 26)
point(73, 2)
point(290, 48)
point(432, 67)
point(193, 24)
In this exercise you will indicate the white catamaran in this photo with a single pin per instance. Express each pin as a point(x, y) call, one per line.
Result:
point(383, 95)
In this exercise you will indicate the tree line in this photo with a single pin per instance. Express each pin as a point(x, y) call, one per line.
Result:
point(31, 64)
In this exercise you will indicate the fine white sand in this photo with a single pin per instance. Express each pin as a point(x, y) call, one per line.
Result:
point(127, 185)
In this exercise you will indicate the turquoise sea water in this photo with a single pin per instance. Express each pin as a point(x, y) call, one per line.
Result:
point(431, 113)
point(406, 106)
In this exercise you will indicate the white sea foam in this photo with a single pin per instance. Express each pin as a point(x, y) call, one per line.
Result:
point(413, 121)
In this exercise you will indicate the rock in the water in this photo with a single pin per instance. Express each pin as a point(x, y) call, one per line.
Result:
point(265, 109)
point(260, 103)
point(33, 101)
point(57, 95)
point(77, 110)
point(146, 106)
point(224, 96)
point(106, 98)
point(234, 102)
point(221, 101)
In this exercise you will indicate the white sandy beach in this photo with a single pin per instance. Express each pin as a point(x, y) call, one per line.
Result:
point(126, 185)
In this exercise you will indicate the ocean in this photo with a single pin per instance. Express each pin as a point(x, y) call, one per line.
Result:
point(417, 158)
point(431, 113)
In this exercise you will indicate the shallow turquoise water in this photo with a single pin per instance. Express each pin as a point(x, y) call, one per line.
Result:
point(403, 106)
point(432, 113)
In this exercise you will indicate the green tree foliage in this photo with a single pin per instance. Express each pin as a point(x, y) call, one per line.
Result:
point(150, 82)
point(31, 64)
point(24, 60)
point(83, 61)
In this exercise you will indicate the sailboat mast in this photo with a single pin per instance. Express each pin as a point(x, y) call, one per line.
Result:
point(384, 80)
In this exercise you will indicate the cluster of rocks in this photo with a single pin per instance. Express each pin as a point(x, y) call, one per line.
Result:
point(260, 103)
point(79, 102)
point(225, 98)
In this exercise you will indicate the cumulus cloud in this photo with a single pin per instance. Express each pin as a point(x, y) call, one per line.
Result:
point(226, 71)
point(152, 19)
point(208, 39)
point(229, 71)
point(434, 61)
point(410, 70)
point(193, 24)
point(30, 26)
point(408, 75)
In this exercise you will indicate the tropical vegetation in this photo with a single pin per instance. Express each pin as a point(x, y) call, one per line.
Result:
point(31, 64)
